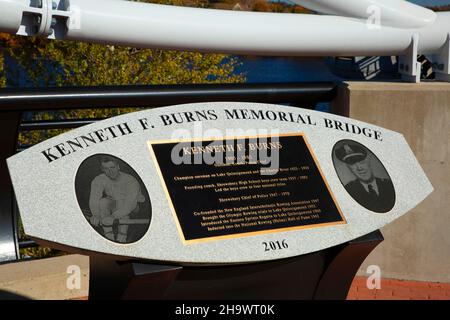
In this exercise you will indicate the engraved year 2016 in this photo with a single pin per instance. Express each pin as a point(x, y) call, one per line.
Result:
point(275, 245)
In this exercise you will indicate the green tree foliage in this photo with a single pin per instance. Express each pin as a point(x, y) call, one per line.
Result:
point(69, 63)
point(2, 69)
point(256, 5)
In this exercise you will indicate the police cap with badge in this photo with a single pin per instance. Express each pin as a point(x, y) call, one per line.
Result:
point(351, 153)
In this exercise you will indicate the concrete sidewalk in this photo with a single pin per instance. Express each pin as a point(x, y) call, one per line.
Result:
point(45, 279)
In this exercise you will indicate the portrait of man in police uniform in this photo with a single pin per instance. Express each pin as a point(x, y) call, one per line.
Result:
point(364, 176)
point(113, 198)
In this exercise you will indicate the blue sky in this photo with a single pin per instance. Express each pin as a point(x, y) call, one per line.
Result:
point(431, 2)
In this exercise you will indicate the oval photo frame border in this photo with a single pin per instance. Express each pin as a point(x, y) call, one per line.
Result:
point(334, 159)
point(133, 173)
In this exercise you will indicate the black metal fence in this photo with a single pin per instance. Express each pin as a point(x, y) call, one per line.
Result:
point(16, 102)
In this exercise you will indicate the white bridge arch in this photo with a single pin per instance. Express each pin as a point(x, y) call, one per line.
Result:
point(344, 28)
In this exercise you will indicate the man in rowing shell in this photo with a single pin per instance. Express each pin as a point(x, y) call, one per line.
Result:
point(114, 195)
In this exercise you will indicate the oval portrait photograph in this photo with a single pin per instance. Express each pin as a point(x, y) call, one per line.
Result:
point(364, 176)
point(113, 198)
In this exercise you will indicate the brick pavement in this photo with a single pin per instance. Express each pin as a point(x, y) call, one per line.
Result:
point(399, 290)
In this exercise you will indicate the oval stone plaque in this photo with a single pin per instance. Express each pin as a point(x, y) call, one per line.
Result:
point(228, 182)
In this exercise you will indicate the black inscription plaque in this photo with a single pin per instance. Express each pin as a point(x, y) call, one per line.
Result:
point(232, 198)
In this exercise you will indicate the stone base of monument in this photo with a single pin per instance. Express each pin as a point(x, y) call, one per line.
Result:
point(326, 274)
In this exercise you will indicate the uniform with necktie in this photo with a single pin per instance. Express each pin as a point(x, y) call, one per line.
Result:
point(381, 201)
point(377, 195)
